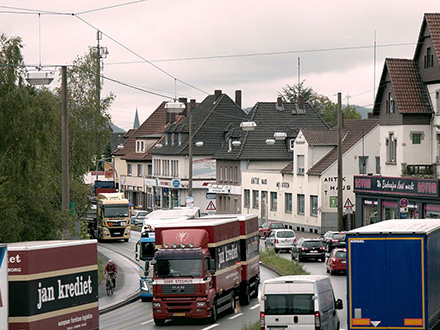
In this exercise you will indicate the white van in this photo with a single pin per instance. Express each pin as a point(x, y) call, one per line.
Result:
point(299, 302)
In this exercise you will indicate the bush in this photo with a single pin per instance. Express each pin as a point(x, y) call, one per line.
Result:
point(282, 265)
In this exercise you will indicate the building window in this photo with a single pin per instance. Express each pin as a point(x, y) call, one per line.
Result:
point(363, 165)
point(166, 139)
point(174, 168)
point(300, 164)
point(142, 146)
point(391, 144)
point(416, 138)
point(247, 198)
point(129, 169)
point(429, 58)
point(179, 138)
point(236, 174)
point(157, 167)
point(255, 199)
point(391, 106)
point(288, 202)
point(291, 144)
point(139, 170)
point(314, 205)
point(300, 204)
point(150, 170)
point(377, 165)
point(138, 146)
point(273, 201)
point(437, 100)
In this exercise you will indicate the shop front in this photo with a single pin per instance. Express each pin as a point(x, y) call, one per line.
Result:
point(382, 198)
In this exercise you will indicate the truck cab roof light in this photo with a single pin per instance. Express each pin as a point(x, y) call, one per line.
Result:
point(191, 245)
point(174, 245)
point(166, 246)
point(182, 245)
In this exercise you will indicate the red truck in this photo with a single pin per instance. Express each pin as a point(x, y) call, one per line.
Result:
point(202, 265)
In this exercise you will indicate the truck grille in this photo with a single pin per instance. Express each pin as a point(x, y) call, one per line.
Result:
point(178, 289)
point(119, 232)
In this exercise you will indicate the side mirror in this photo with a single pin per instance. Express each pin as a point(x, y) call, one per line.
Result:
point(212, 267)
point(339, 304)
point(136, 250)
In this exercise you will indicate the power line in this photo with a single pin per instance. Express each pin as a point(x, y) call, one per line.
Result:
point(137, 88)
point(108, 7)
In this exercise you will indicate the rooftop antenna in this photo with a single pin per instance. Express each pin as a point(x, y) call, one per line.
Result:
point(39, 77)
point(374, 67)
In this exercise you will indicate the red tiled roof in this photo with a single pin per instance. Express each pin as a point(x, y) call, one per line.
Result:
point(433, 21)
point(410, 93)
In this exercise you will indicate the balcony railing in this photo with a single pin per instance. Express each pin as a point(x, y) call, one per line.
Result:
point(420, 171)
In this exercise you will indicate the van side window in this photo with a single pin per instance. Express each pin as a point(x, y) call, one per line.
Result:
point(289, 304)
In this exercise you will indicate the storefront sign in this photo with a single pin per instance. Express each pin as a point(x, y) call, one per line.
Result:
point(390, 185)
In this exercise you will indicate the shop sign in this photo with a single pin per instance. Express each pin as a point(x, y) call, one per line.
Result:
point(390, 185)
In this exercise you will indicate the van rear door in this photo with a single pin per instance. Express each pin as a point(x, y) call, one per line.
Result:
point(289, 311)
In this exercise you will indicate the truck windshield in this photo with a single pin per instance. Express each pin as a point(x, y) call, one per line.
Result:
point(179, 268)
point(289, 304)
point(116, 211)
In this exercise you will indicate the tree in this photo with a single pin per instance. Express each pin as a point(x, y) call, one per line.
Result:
point(320, 103)
point(30, 148)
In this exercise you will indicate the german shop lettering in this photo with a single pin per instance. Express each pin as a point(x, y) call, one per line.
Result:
point(65, 290)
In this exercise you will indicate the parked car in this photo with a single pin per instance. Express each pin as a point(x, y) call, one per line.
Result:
point(138, 217)
point(281, 239)
point(309, 248)
point(268, 226)
point(337, 261)
point(334, 239)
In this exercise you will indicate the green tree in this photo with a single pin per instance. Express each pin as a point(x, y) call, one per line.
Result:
point(320, 103)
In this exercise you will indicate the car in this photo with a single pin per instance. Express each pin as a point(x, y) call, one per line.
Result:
point(268, 226)
point(281, 239)
point(309, 248)
point(337, 261)
point(138, 217)
point(334, 239)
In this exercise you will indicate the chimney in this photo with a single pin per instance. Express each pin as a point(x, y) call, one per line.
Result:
point(279, 105)
point(217, 94)
point(192, 105)
point(300, 102)
point(238, 98)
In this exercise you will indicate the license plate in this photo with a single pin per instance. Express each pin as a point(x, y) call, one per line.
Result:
point(314, 252)
point(278, 328)
point(117, 233)
point(178, 314)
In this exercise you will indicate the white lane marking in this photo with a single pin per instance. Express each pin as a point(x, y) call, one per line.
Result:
point(211, 326)
point(236, 315)
point(147, 322)
point(256, 306)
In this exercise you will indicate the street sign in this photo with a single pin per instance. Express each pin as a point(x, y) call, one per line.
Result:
point(333, 201)
point(348, 204)
point(404, 202)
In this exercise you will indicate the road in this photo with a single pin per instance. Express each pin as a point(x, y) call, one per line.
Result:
point(138, 315)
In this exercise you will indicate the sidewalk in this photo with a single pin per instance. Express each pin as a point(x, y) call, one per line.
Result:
point(127, 282)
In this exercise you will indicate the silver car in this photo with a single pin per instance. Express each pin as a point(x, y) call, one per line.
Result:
point(281, 239)
point(138, 217)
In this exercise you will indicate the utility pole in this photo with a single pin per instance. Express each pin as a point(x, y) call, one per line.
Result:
point(340, 177)
point(65, 198)
point(190, 156)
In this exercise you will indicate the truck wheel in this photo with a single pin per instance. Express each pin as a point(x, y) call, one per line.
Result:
point(125, 239)
point(159, 322)
point(232, 302)
point(245, 297)
point(213, 317)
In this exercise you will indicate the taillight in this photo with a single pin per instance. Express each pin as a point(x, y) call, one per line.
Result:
point(304, 249)
point(276, 241)
point(322, 248)
point(334, 240)
point(262, 320)
point(294, 240)
point(317, 321)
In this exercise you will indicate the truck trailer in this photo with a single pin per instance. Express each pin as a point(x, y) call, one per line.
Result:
point(197, 268)
point(53, 285)
point(393, 273)
point(112, 218)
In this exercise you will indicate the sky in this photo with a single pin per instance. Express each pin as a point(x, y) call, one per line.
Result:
point(190, 48)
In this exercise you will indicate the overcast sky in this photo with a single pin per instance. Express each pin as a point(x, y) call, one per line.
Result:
point(252, 46)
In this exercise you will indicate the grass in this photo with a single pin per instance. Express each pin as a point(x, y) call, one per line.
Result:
point(283, 266)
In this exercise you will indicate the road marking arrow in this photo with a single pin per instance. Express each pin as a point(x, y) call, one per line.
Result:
point(375, 323)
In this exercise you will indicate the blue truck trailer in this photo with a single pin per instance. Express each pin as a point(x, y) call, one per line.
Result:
point(393, 275)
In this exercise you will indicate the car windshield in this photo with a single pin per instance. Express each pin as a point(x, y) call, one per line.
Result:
point(286, 234)
point(142, 214)
point(289, 304)
point(116, 211)
point(341, 254)
point(277, 226)
point(340, 237)
point(178, 268)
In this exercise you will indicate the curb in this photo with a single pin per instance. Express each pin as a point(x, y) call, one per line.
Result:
point(132, 298)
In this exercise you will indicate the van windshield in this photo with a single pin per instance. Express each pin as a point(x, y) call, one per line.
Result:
point(289, 304)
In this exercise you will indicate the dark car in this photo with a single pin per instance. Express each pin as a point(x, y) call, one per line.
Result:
point(334, 239)
point(268, 226)
point(309, 248)
point(337, 261)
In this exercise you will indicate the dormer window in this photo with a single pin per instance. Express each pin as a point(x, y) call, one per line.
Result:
point(429, 58)
point(140, 146)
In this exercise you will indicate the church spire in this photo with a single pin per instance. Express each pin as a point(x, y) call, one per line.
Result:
point(136, 120)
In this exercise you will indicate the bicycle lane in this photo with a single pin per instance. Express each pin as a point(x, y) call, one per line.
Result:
point(127, 282)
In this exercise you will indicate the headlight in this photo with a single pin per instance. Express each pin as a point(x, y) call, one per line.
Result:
point(122, 223)
point(156, 304)
point(201, 304)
